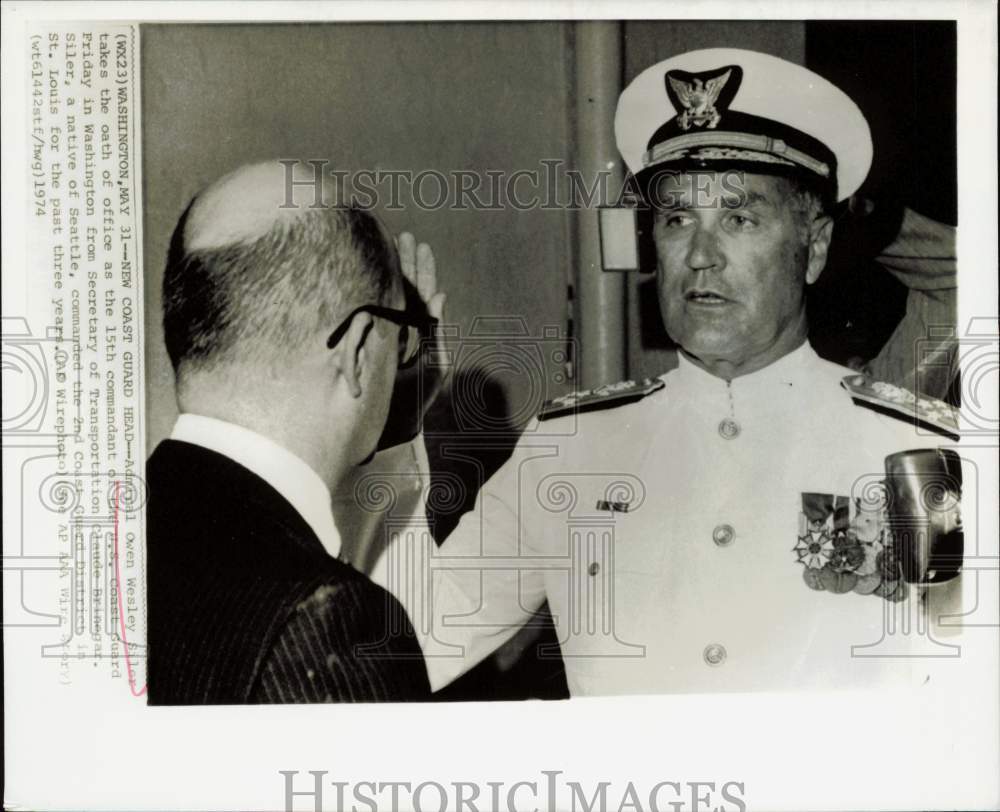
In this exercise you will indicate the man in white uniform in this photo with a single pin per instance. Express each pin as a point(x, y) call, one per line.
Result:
point(725, 529)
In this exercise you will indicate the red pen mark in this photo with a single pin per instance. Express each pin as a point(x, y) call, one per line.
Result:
point(121, 608)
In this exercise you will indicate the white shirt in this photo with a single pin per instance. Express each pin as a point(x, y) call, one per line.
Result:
point(284, 471)
point(697, 585)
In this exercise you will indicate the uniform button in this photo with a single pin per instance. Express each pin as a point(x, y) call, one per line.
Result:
point(594, 568)
point(723, 535)
point(729, 428)
point(715, 654)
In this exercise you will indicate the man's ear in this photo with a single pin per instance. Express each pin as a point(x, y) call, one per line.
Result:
point(820, 234)
point(353, 352)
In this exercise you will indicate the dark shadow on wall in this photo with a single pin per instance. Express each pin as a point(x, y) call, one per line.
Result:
point(469, 434)
point(856, 304)
point(902, 75)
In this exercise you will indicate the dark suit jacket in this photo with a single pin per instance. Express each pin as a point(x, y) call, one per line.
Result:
point(246, 606)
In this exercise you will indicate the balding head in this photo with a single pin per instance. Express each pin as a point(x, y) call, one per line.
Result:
point(262, 264)
point(246, 204)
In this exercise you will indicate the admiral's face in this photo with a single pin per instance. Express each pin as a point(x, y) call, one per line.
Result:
point(735, 252)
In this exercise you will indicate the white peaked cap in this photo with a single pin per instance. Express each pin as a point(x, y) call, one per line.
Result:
point(775, 102)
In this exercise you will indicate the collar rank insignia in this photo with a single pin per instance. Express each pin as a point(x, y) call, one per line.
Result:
point(698, 96)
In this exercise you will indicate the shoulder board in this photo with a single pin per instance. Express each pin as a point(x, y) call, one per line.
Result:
point(612, 394)
point(903, 404)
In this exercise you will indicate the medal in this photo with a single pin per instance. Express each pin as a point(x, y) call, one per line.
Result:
point(867, 584)
point(812, 579)
point(837, 582)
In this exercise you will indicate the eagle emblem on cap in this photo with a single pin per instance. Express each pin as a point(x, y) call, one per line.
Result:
point(698, 98)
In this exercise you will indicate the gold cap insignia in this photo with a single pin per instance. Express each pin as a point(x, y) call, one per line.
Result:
point(696, 97)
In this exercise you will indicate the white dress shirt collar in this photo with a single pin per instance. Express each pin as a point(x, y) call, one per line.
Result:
point(287, 473)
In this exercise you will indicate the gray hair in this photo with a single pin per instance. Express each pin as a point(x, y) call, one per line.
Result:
point(809, 202)
point(260, 302)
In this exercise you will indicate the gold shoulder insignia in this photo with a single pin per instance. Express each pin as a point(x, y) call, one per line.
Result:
point(903, 404)
point(612, 394)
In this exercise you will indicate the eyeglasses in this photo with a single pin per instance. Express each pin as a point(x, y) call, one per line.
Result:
point(411, 327)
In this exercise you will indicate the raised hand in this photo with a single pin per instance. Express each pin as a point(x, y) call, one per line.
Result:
point(418, 385)
point(420, 270)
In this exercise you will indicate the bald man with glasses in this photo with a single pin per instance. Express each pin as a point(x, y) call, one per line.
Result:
point(286, 326)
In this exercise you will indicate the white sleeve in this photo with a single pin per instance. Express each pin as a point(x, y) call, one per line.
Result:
point(471, 594)
point(375, 498)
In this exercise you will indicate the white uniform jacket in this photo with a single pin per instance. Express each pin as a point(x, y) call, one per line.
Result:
point(711, 536)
